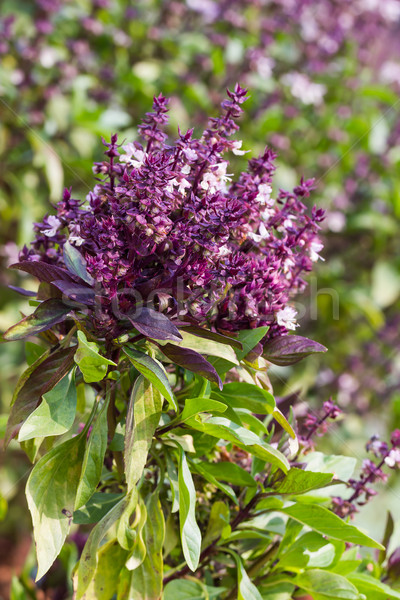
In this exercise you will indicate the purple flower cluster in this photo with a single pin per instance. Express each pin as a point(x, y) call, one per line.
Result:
point(371, 473)
point(169, 222)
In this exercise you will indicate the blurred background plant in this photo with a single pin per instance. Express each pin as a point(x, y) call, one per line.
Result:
point(324, 81)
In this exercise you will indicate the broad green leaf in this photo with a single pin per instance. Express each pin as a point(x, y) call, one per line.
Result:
point(146, 581)
point(55, 415)
point(89, 360)
point(342, 467)
point(230, 472)
point(48, 313)
point(110, 562)
point(326, 522)
point(138, 552)
point(212, 335)
point(222, 428)
point(194, 406)
point(172, 473)
point(323, 585)
point(93, 459)
point(51, 491)
point(76, 263)
point(88, 562)
point(142, 418)
point(125, 529)
point(372, 588)
point(185, 589)
point(31, 448)
point(276, 590)
point(250, 338)
point(309, 550)
point(298, 481)
point(207, 347)
point(245, 395)
point(199, 468)
point(37, 380)
point(217, 522)
point(96, 508)
point(154, 372)
point(246, 589)
point(190, 532)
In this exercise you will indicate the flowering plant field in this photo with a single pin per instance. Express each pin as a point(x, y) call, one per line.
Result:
point(209, 330)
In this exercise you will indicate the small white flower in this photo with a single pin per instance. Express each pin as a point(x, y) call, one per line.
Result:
point(224, 251)
point(183, 185)
point(137, 154)
point(236, 148)
point(315, 247)
point(54, 224)
point(185, 169)
point(190, 154)
point(304, 89)
point(288, 263)
point(393, 458)
point(262, 234)
point(264, 194)
point(215, 180)
point(286, 317)
point(76, 239)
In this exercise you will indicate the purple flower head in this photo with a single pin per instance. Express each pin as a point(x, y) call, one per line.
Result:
point(172, 220)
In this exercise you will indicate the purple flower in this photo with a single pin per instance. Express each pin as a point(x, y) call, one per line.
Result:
point(228, 252)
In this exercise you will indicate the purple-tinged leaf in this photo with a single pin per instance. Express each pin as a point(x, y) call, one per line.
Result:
point(43, 271)
point(156, 325)
point(212, 335)
point(76, 292)
point(47, 314)
point(76, 263)
point(22, 291)
point(38, 379)
point(290, 349)
point(193, 361)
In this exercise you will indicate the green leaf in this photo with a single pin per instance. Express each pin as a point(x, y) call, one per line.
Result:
point(138, 552)
point(96, 508)
point(326, 522)
point(190, 532)
point(154, 372)
point(217, 522)
point(323, 585)
point(246, 589)
point(194, 406)
point(93, 459)
point(342, 467)
point(55, 415)
point(51, 490)
point(146, 581)
point(184, 589)
point(250, 338)
point(37, 380)
point(172, 473)
point(48, 313)
point(222, 428)
point(142, 418)
point(200, 468)
point(88, 562)
point(245, 395)
point(207, 347)
point(230, 472)
point(92, 365)
point(372, 588)
point(212, 335)
point(110, 562)
point(76, 263)
point(298, 481)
